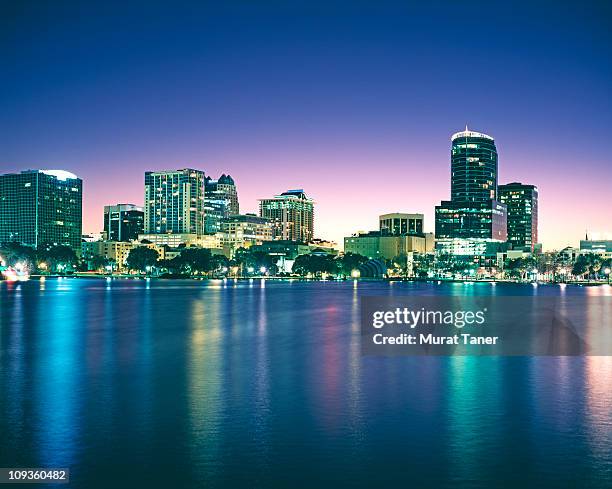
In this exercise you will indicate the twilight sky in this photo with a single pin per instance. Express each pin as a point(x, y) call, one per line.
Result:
point(353, 101)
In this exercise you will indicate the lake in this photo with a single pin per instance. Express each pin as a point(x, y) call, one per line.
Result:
point(134, 383)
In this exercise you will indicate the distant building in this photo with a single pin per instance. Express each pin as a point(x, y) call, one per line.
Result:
point(117, 251)
point(377, 245)
point(324, 244)
point(210, 241)
point(399, 223)
point(220, 202)
point(601, 247)
point(291, 214)
point(473, 223)
point(41, 208)
point(123, 222)
point(522, 214)
point(243, 231)
point(288, 250)
point(174, 201)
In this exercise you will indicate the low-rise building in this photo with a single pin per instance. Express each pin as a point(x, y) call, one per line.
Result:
point(175, 240)
point(117, 251)
point(244, 231)
point(376, 245)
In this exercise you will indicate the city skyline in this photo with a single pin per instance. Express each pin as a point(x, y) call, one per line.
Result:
point(356, 107)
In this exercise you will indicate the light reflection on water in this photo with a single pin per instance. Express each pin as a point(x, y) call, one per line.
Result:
point(255, 383)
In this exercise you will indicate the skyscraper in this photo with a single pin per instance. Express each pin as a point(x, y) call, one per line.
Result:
point(41, 208)
point(522, 203)
point(473, 167)
point(473, 222)
point(123, 222)
point(174, 201)
point(292, 215)
point(220, 202)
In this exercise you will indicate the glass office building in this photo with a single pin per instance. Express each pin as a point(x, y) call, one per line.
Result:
point(41, 208)
point(220, 202)
point(473, 167)
point(174, 202)
point(521, 201)
point(473, 224)
point(123, 222)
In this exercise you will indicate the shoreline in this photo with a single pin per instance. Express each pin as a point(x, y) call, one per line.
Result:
point(438, 281)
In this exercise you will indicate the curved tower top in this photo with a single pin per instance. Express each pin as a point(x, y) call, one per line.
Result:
point(473, 167)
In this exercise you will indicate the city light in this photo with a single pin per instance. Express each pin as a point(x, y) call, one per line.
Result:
point(355, 273)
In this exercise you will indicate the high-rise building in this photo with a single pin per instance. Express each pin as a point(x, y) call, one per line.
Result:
point(220, 202)
point(174, 201)
point(399, 223)
point(473, 222)
point(522, 203)
point(41, 208)
point(292, 215)
point(123, 222)
point(473, 167)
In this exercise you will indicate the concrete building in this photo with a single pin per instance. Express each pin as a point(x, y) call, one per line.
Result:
point(117, 251)
point(400, 223)
point(376, 245)
point(243, 231)
point(291, 214)
point(174, 202)
point(123, 222)
point(211, 241)
point(601, 247)
point(41, 208)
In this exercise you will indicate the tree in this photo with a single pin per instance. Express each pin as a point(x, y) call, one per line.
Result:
point(99, 262)
point(142, 258)
point(60, 258)
point(13, 253)
point(581, 266)
point(349, 262)
point(196, 260)
point(315, 264)
point(255, 261)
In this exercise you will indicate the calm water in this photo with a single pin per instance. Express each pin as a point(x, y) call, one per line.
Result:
point(194, 384)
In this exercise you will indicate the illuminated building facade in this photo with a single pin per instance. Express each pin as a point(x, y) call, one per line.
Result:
point(220, 202)
point(473, 224)
point(123, 222)
point(174, 202)
point(41, 208)
point(291, 214)
point(522, 203)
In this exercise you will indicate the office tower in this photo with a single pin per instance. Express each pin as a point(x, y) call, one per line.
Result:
point(41, 208)
point(123, 222)
point(174, 201)
point(397, 224)
point(220, 202)
point(473, 222)
point(292, 215)
point(522, 204)
point(473, 167)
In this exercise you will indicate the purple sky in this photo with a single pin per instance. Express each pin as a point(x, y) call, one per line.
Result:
point(353, 103)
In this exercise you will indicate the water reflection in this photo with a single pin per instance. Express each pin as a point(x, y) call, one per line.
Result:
point(252, 384)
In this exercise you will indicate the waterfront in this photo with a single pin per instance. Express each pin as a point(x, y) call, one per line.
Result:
point(262, 384)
